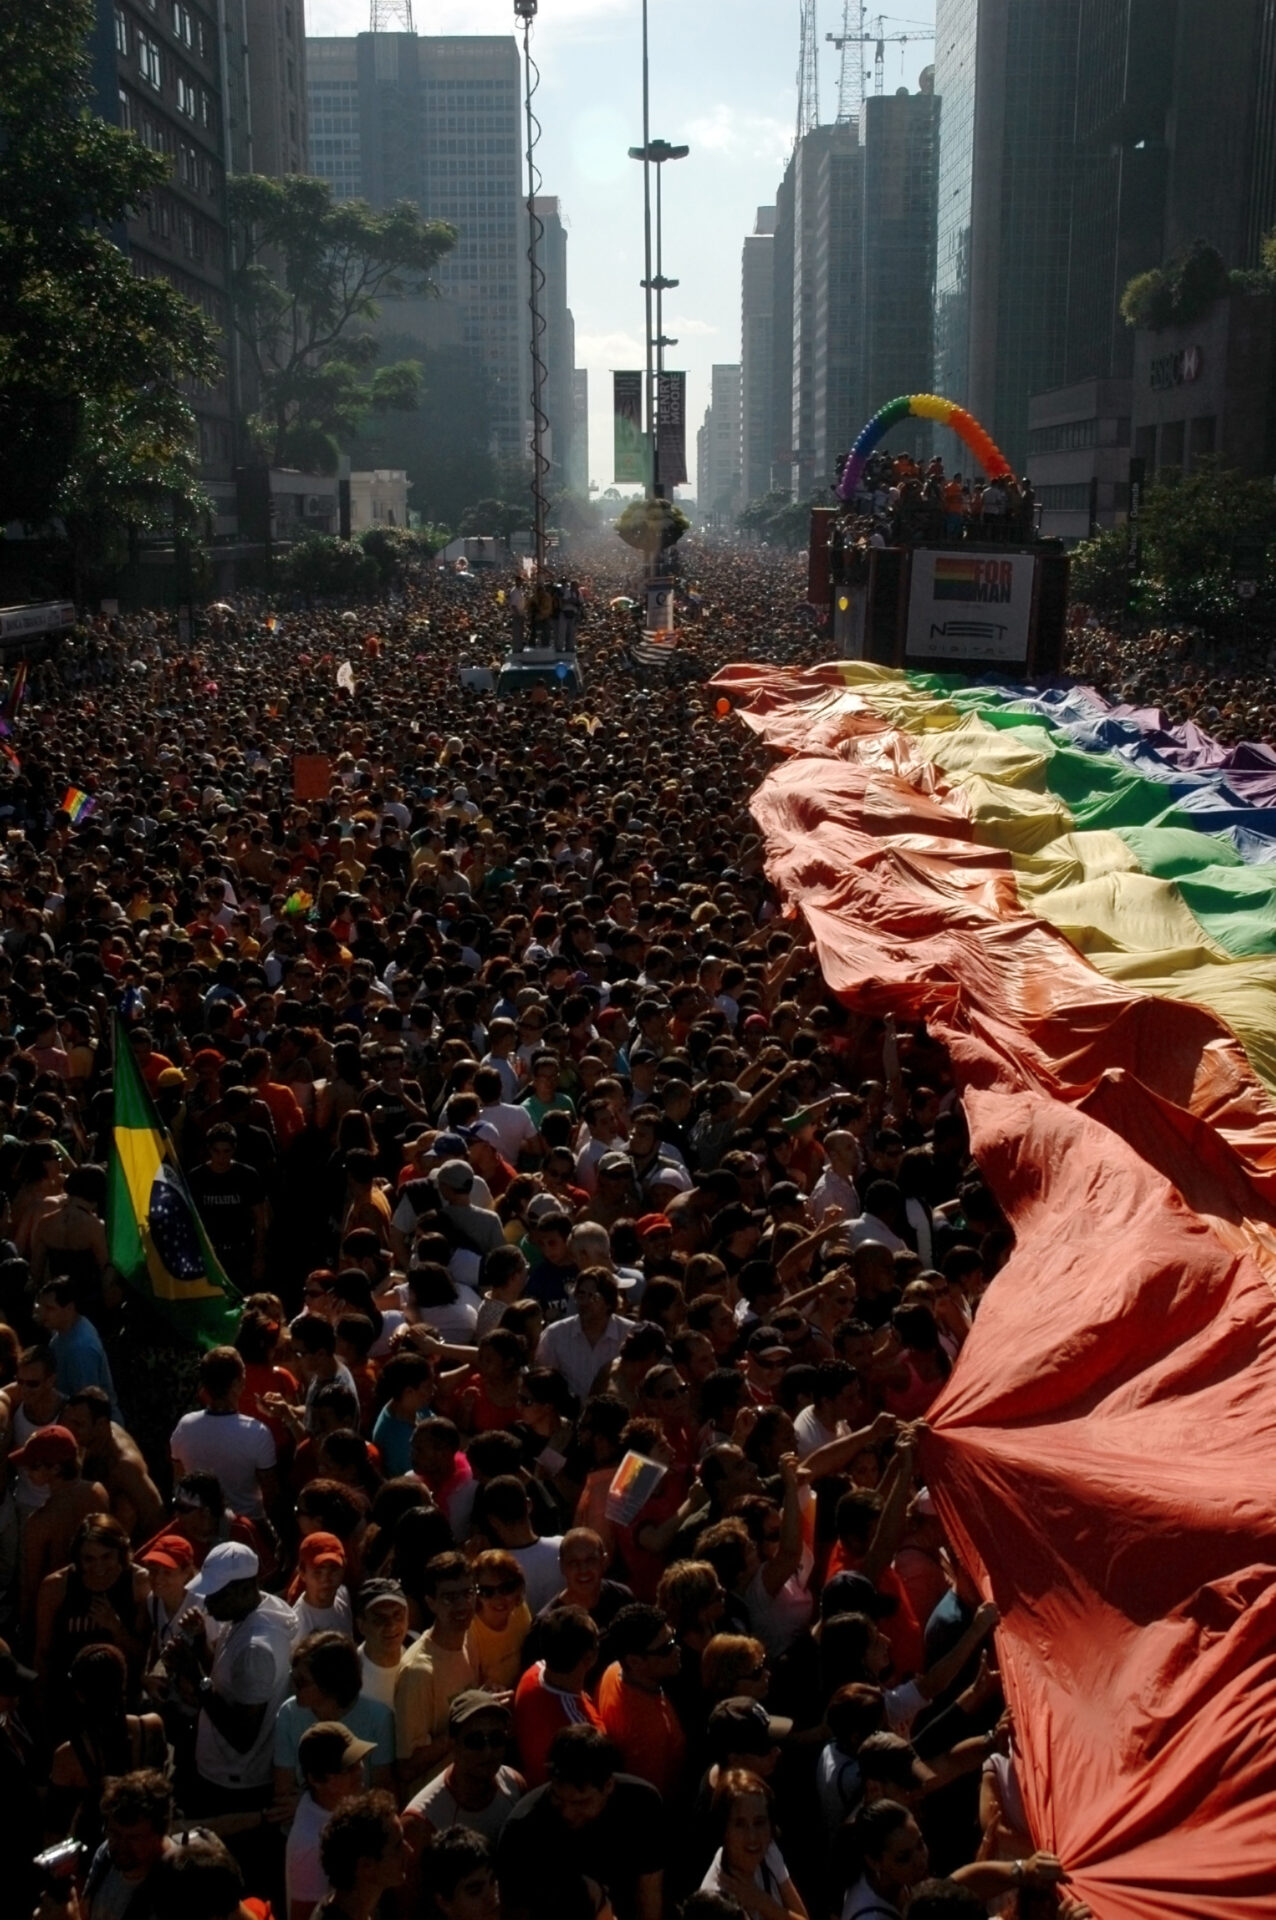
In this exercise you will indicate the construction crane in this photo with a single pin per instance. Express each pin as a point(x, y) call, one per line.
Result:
point(808, 73)
point(850, 92)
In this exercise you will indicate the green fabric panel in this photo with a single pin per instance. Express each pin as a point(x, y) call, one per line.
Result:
point(1168, 853)
point(1233, 903)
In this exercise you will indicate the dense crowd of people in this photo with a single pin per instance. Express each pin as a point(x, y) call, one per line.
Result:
point(548, 1539)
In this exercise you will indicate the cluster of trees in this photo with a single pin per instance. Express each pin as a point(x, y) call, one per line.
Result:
point(324, 568)
point(778, 520)
point(1186, 287)
point(1198, 536)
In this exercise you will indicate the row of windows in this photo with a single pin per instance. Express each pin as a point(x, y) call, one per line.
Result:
point(167, 220)
point(1073, 435)
point(507, 87)
point(471, 146)
point(1072, 497)
point(190, 29)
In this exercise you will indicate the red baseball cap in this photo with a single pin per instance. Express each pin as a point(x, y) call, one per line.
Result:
point(654, 1223)
point(171, 1550)
point(321, 1550)
point(48, 1447)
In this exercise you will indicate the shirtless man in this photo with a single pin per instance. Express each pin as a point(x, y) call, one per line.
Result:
point(111, 1455)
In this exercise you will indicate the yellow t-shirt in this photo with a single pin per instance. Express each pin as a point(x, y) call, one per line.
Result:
point(494, 1656)
point(430, 1678)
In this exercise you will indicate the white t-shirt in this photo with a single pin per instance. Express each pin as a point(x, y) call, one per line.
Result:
point(455, 1321)
point(834, 1190)
point(779, 1619)
point(869, 1227)
point(770, 1876)
point(437, 1804)
point(810, 1433)
point(304, 1876)
point(233, 1446)
point(335, 1619)
point(541, 1570)
point(252, 1666)
point(378, 1682)
point(514, 1124)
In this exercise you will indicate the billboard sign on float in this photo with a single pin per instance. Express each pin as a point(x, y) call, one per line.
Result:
point(969, 606)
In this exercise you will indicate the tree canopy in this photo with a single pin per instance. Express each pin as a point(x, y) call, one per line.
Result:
point(652, 526)
point(309, 273)
point(93, 358)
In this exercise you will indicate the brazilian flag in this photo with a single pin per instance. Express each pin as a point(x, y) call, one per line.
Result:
point(155, 1238)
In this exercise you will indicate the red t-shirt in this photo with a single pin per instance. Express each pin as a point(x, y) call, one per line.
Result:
point(539, 1713)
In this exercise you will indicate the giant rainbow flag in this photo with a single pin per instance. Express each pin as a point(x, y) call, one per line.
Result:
point(1081, 903)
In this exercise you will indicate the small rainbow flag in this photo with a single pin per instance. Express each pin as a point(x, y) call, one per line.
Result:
point(78, 804)
point(17, 691)
point(298, 901)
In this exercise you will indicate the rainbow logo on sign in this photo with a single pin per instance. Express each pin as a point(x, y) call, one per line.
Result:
point(956, 579)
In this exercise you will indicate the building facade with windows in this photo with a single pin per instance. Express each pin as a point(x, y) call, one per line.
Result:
point(1005, 79)
point(436, 120)
point(897, 274)
point(757, 351)
point(1078, 456)
point(157, 71)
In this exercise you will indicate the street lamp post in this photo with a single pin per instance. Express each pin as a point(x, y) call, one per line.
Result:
point(653, 153)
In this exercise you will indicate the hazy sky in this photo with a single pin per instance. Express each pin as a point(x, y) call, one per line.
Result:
point(722, 82)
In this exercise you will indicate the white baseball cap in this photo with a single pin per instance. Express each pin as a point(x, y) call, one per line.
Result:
point(230, 1561)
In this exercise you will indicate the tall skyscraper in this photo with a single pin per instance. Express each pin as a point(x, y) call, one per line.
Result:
point(722, 453)
point(1005, 78)
point(436, 120)
point(782, 337)
point(559, 349)
point(825, 265)
point(1125, 85)
point(578, 466)
point(897, 273)
point(757, 348)
point(835, 335)
point(275, 42)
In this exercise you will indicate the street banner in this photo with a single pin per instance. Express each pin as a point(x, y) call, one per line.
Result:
point(631, 449)
point(671, 428)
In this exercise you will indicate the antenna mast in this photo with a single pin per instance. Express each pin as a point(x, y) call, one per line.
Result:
point(850, 43)
point(392, 16)
point(808, 74)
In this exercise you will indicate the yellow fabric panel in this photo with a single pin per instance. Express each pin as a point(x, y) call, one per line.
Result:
point(974, 747)
point(1129, 913)
point(1070, 859)
point(1241, 993)
point(1013, 818)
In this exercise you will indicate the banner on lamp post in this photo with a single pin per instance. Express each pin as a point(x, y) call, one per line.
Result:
point(671, 428)
point(631, 448)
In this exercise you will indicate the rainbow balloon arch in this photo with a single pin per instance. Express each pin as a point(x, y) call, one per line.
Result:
point(922, 406)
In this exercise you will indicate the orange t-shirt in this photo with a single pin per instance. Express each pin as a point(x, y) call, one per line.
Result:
point(645, 1728)
point(539, 1713)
